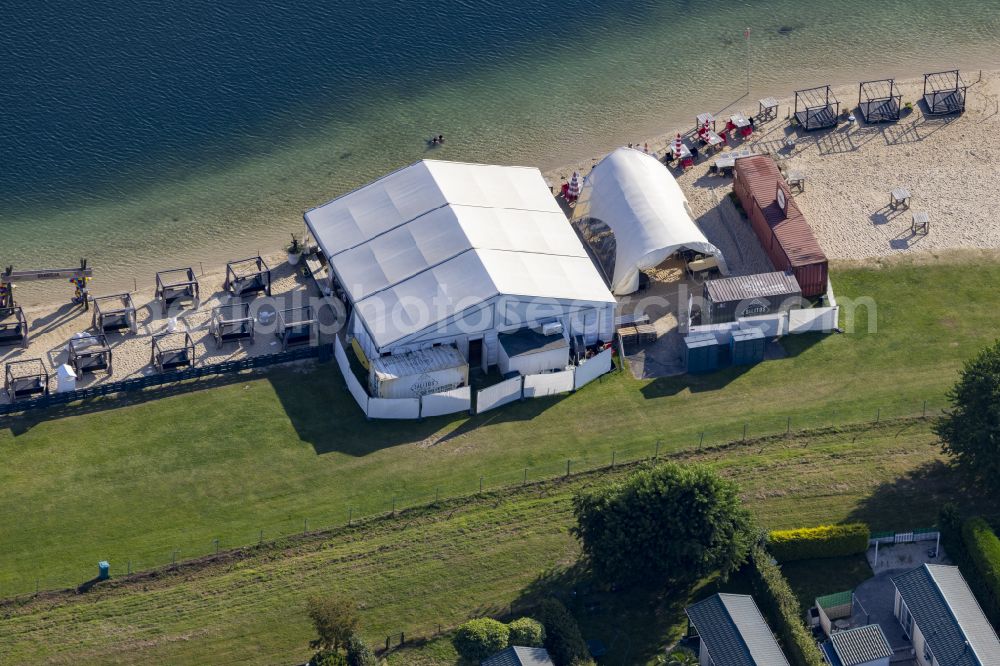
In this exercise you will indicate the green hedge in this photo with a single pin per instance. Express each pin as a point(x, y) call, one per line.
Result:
point(563, 639)
point(480, 638)
point(782, 610)
point(983, 549)
point(817, 542)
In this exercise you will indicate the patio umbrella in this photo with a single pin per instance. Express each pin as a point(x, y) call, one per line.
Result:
point(678, 146)
point(574, 186)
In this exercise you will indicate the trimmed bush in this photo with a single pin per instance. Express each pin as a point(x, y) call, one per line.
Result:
point(359, 653)
point(478, 639)
point(810, 543)
point(563, 639)
point(781, 607)
point(526, 632)
point(983, 550)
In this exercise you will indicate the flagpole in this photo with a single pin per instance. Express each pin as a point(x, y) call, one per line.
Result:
point(747, 35)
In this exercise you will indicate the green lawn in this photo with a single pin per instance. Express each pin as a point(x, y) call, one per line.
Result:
point(478, 555)
point(139, 484)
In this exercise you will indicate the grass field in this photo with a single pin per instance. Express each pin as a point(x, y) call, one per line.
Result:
point(439, 566)
point(141, 484)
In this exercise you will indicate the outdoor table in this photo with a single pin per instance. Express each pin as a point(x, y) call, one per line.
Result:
point(899, 196)
point(921, 223)
point(684, 154)
point(739, 120)
point(768, 108)
point(798, 179)
point(712, 140)
point(702, 119)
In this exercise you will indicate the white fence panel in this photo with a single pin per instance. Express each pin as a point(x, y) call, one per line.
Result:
point(498, 394)
point(446, 402)
point(394, 408)
point(774, 325)
point(353, 385)
point(592, 368)
point(548, 383)
point(812, 320)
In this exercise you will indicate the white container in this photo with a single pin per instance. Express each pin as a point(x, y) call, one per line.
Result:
point(552, 328)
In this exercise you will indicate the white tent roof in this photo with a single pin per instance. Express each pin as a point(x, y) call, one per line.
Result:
point(635, 195)
point(433, 239)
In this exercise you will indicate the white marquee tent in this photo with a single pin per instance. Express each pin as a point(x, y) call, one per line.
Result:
point(443, 252)
point(639, 200)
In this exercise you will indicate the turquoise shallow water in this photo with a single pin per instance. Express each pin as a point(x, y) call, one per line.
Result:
point(144, 137)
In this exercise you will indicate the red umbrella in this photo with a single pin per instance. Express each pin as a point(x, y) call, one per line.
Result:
point(678, 146)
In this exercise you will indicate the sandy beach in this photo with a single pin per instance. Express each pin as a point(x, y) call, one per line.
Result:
point(948, 164)
point(52, 326)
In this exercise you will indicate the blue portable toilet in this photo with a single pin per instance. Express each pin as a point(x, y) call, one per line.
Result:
point(701, 353)
point(103, 570)
point(747, 346)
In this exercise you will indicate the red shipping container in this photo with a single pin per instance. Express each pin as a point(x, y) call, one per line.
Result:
point(783, 231)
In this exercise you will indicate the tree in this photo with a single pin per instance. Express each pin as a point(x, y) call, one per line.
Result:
point(667, 523)
point(970, 430)
point(359, 653)
point(679, 657)
point(527, 632)
point(480, 638)
point(563, 639)
point(335, 619)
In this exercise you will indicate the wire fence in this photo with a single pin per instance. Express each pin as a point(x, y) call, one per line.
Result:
point(426, 494)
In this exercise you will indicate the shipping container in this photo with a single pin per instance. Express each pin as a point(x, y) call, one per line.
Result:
point(701, 353)
point(728, 299)
point(746, 346)
point(418, 373)
point(779, 224)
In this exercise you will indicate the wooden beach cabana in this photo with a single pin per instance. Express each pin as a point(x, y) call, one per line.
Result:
point(879, 101)
point(13, 326)
point(90, 353)
point(177, 285)
point(816, 108)
point(944, 92)
point(26, 378)
point(248, 276)
point(231, 323)
point(296, 326)
point(114, 312)
point(172, 351)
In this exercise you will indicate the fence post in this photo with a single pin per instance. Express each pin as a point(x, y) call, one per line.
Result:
point(701, 440)
point(612, 460)
point(402, 638)
point(745, 431)
point(129, 568)
point(387, 642)
point(924, 415)
point(567, 468)
point(261, 537)
point(394, 505)
point(656, 456)
point(480, 484)
point(878, 414)
point(350, 515)
point(216, 540)
point(525, 482)
point(788, 427)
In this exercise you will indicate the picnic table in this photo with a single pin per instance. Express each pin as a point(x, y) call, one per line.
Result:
point(768, 108)
point(712, 139)
point(739, 120)
point(899, 197)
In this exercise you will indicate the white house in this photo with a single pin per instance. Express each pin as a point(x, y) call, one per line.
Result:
point(939, 613)
point(445, 253)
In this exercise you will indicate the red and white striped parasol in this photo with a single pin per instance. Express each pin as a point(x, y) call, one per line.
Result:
point(678, 146)
point(575, 184)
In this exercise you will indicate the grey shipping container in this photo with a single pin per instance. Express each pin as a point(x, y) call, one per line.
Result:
point(728, 299)
point(747, 346)
point(701, 353)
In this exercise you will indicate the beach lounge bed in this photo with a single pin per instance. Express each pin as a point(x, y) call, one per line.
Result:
point(944, 92)
point(90, 353)
point(816, 108)
point(26, 378)
point(115, 312)
point(296, 326)
point(13, 327)
point(172, 351)
point(248, 276)
point(177, 285)
point(231, 323)
point(879, 101)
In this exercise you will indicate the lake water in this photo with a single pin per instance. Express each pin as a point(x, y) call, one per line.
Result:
point(144, 137)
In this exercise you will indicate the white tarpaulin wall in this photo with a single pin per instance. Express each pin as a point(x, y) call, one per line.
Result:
point(592, 368)
point(394, 408)
point(635, 195)
point(498, 394)
point(446, 402)
point(353, 385)
point(550, 383)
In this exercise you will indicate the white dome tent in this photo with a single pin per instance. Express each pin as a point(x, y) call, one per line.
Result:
point(643, 206)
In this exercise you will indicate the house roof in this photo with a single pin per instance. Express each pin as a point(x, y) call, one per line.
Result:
point(433, 239)
point(948, 615)
point(858, 646)
point(734, 631)
point(519, 656)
